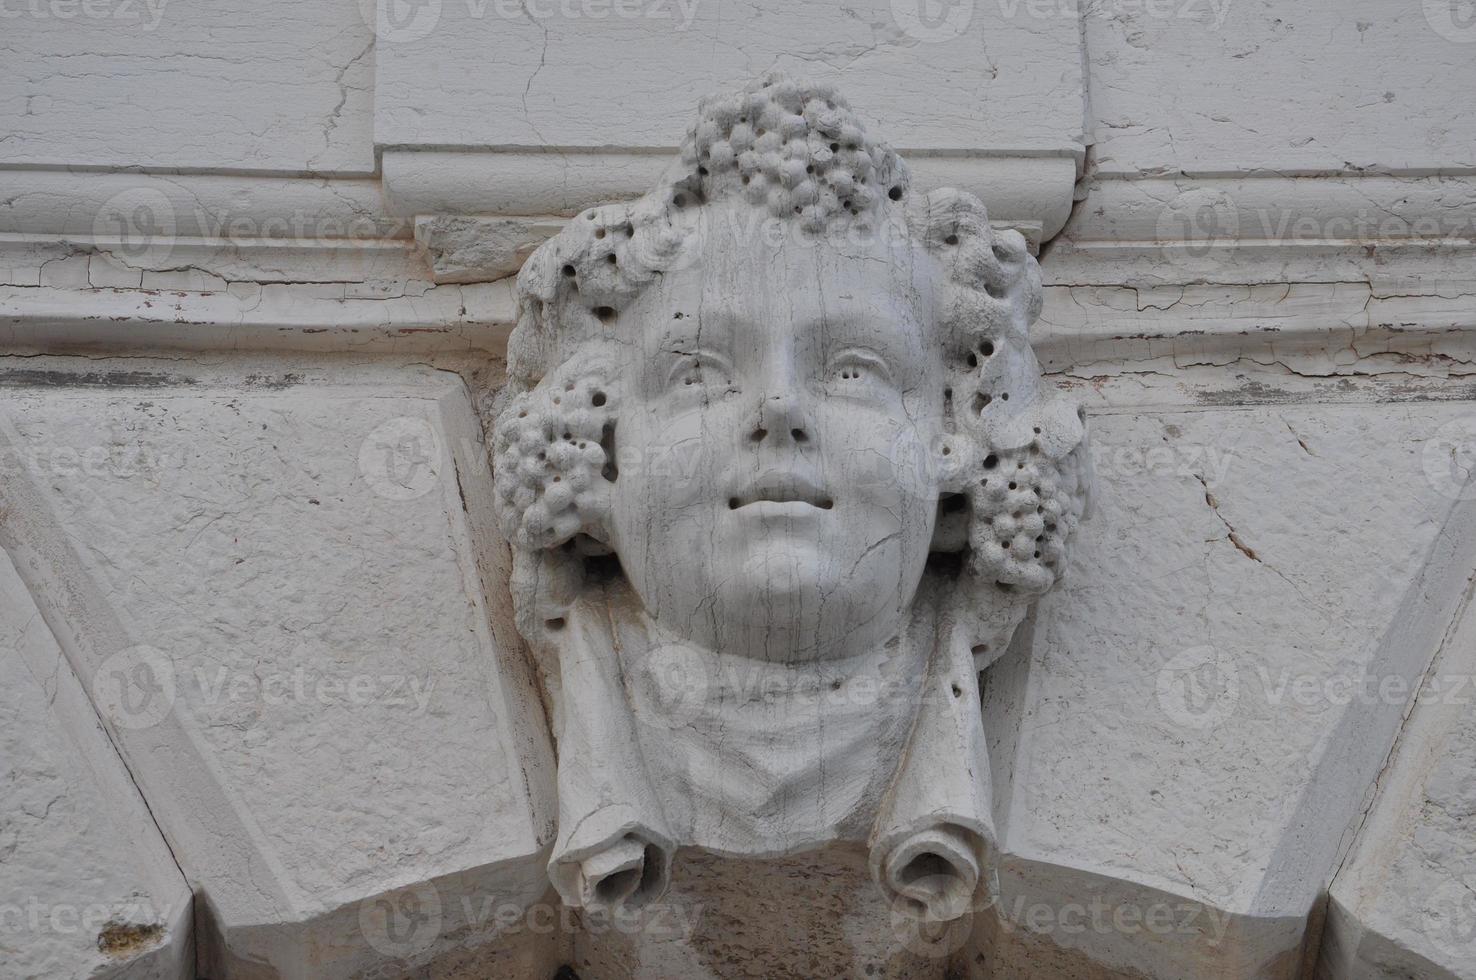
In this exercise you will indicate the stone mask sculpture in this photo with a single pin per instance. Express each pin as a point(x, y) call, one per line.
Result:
point(780, 476)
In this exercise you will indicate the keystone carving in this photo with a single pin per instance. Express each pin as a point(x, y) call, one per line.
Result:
point(781, 476)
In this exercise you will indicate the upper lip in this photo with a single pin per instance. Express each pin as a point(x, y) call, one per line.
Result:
point(781, 487)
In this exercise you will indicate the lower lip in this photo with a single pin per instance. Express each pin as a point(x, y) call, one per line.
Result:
point(775, 509)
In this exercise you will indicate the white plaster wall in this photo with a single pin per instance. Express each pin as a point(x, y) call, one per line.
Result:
point(87, 886)
point(260, 86)
point(1222, 87)
point(1294, 376)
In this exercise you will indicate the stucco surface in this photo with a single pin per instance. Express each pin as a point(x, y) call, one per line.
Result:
point(298, 564)
point(87, 887)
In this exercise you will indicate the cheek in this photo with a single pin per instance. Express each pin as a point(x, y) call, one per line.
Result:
point(884, 461)
point(668, 464)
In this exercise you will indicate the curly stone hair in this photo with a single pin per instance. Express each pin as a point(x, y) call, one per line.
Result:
point(1015, 448)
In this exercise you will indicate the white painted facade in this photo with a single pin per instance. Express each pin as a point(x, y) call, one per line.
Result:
point(271, 715)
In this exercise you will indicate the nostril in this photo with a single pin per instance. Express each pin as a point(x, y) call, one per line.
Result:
point(798, 435)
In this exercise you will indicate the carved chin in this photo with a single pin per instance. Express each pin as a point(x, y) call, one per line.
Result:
point(800, 598)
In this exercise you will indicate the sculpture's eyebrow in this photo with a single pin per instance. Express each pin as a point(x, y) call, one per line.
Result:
point(688, 334)
point(864, 328)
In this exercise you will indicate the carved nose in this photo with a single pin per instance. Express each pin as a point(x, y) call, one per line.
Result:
point(780, 420)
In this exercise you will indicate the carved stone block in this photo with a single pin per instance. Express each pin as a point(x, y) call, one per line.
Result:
point(780, 475)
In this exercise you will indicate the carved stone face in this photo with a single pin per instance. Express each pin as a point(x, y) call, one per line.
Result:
point(776, 496)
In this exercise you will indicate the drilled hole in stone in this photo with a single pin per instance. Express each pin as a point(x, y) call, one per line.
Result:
point(951, 240)
point(799, 435)
point(597, 399)
point(957, 691)
point(895, 193)
point(604, 313)
point(973, 360)
point(732, 503)
point(609, 471)
point(991, 461)
point(987, 348)
point(568, 270)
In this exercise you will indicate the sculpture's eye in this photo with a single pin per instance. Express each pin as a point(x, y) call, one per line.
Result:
point(857, 369)
point(699, 371)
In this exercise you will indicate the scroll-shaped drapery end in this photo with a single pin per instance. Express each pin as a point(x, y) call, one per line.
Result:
point(613, 852)
point(934, 871)
point(933, 842)
point(612, 863)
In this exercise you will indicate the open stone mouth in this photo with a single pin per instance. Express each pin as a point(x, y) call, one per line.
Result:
point(785, 491)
